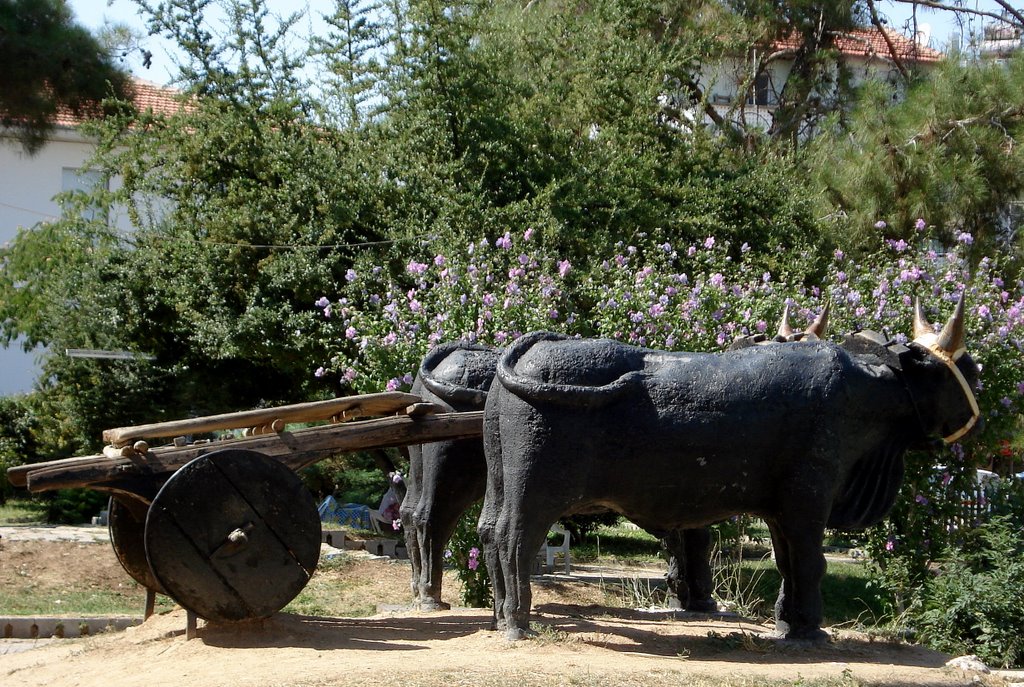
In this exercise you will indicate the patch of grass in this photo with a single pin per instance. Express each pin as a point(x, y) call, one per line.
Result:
point(30, 600)
point(617, 544)
point(344, 588)
point(22, 512)
point(848, 598)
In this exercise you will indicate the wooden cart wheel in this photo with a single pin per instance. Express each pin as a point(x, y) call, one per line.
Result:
point(127, 526)
point(233, 535)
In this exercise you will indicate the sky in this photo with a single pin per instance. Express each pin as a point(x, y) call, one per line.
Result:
point(94, 13)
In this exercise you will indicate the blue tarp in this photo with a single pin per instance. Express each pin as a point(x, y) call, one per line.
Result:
point(353, 515)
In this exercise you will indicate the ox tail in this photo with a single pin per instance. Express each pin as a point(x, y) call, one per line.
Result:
point(869, 492)
point(576, 395)
point(451, 392)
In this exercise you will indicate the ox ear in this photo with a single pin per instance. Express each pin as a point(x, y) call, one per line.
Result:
point(820, 325)
point(921, 324)
point(951, 338)
point(785, 330)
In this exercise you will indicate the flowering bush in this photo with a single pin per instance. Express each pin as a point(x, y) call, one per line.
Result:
point(464, 555)
point(700, 297)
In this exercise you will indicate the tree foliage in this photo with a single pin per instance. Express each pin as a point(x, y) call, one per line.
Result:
point(50, 64)
point(950, 152)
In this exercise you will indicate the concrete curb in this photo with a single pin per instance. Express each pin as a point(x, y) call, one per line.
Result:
point(35, 627)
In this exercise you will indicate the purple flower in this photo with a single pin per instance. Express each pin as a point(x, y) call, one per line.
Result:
point(890, 544)
point(745, 248)
point(392, 384)
point(350, 333)
point(691, 251)
point(524, 259)
point(504, 242)
point(964, 238)
point(439, 260)
point(709, 242)
point(564, 267)
point(839, 254)
point(880, 224)
point(528, 234)
point(717, 279)
point(920, 224)
point(921, 499)
point(322, 302)
point(349, 375)
point(320, 372)
point(416, 267)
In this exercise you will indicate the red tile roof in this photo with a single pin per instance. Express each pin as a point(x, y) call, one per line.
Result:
point(145, 95)
point(870, 43)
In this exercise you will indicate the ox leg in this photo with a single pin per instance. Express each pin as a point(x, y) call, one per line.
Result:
point(410, 505)
point(520, 536)
point(798, 555)
point(487, 525)
point(486, 529)
point(678, 589)
point(690, 581)
point(699, 580)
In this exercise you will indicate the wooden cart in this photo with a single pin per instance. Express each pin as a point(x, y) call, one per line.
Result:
point(225, 527)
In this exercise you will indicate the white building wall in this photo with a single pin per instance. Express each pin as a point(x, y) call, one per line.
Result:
point(28, 185)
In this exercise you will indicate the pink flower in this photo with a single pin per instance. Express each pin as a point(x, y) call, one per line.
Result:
point(564, 266)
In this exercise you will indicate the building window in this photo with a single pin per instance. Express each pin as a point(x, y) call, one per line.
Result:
point(85, 182)
point(761, 90)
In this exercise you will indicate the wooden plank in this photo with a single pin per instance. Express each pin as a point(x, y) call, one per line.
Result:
point(366, 405)
point(295, 449)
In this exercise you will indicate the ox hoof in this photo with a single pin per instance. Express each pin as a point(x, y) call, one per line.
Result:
point(810, 635)
point(514, 634)
point(703, 606)
point(431, 605)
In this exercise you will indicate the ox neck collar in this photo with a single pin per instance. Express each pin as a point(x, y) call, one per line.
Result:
point(929, 342)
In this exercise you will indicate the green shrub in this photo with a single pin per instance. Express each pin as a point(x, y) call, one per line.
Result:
point(973, 606)
point(75, 506)
point(465, 555)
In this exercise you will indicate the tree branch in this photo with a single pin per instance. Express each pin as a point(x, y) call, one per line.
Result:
point(1011, 11)
point(944, 129)
point(967, 10)
point(877, 23)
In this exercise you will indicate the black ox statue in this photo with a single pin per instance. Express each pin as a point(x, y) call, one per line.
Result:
point(805, 435)
point(445, 477)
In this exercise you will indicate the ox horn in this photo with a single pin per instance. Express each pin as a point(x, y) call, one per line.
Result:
point(820, 324)
point(951, 338)
point(785, 330)
point(921, 324)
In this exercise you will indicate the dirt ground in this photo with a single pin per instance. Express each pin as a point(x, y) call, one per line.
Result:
point(580, 642)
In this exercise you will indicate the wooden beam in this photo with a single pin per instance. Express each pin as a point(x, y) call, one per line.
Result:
point(296, 450)
point(366, 405)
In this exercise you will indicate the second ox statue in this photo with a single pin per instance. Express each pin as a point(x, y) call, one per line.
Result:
point(446, 477)
point(805, 435)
